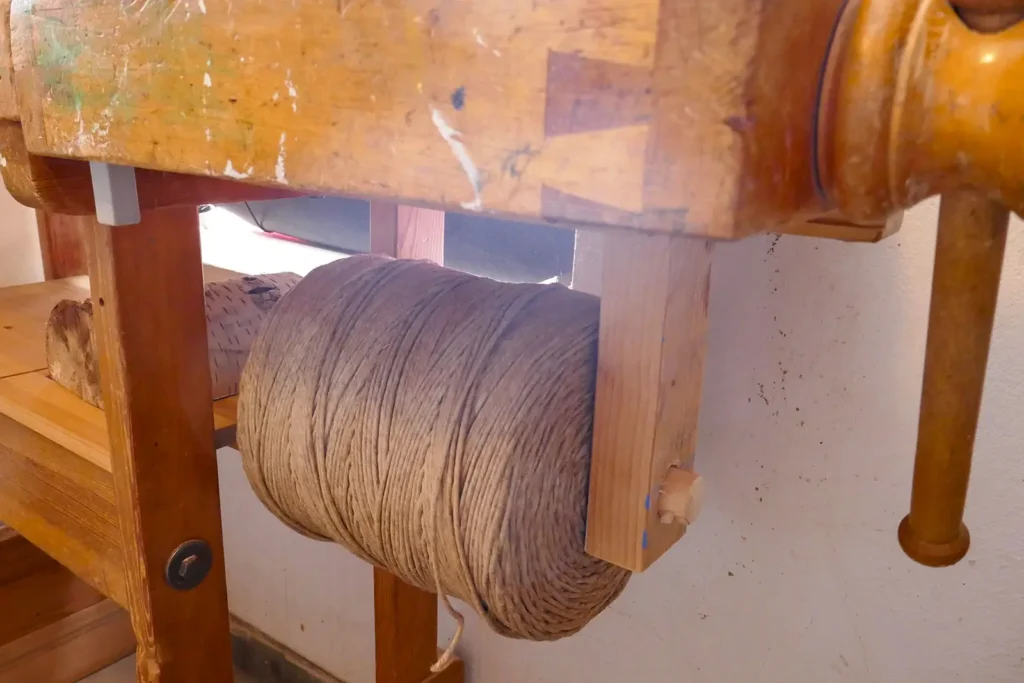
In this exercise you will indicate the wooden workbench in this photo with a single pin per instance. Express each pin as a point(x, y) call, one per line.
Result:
point(654, 121)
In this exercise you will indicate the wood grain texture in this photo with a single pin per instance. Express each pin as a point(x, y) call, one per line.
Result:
point(650, 367)
point(151, 333)
point(406, 232)
point(63, 505)
point(35, 589)
point(64, 186)
point(235, 311)
point(70, 649)
point(405, 628)
point(662, 114)
point(24, 310)
point(45, 407)
point(62, 245)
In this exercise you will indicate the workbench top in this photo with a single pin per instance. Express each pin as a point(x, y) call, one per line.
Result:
point(690, 117)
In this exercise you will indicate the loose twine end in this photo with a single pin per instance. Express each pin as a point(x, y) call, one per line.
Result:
point(449, 652)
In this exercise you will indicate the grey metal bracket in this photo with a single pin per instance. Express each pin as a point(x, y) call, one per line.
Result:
point(117, 197)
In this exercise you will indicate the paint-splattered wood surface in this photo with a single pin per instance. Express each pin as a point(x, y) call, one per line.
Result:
point(687, 116)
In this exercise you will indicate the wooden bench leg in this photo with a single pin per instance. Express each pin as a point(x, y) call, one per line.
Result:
point(405, 617)
point(147, 287)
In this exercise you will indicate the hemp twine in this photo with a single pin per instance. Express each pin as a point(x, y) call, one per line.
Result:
point(438, 425)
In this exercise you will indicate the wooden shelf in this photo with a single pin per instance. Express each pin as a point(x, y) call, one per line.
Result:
point(56, 487)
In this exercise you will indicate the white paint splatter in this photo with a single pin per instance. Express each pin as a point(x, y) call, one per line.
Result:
point(279, 169)
point(202, 6)
point(207, 81)
point(454, 140)
point(292, 92)
point(483, 43)
point(277, 96)
point(209, 136)
point(230, 172)
point(81, 122)
point(3, 161)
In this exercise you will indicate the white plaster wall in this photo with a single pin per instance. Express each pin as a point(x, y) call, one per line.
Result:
point(793, 573)
point(20, 260)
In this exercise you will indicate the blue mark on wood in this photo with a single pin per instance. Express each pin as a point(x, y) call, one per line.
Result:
point(643, 543)
point(459, 98)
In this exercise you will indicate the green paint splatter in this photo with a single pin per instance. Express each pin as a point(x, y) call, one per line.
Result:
point(57, 61)
point(54, 53)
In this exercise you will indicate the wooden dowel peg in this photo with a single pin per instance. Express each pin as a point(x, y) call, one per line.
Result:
point(968, 261)
point(681, 498)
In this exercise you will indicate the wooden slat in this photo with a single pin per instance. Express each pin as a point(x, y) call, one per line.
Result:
point(650, 368)
point(63, 505)
point(151, 333)
point(39, 403)
point(70, 649)
point(405, 617)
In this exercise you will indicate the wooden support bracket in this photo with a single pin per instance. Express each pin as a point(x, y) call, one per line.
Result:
point(405, 617)
point(650, 365)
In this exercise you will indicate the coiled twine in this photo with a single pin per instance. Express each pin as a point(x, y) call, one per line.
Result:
point(438, 425)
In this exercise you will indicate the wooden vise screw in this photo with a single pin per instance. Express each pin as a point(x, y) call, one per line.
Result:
point(919, 98)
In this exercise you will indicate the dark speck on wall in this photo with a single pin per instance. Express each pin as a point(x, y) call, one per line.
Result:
point(459, 98)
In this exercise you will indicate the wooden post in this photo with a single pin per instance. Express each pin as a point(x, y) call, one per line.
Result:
point(147, 283)
point(62, 243)
point(650, 367)
point(405, 617)
point(406, 232)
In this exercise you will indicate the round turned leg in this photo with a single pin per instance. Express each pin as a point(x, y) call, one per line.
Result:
point(968, 261)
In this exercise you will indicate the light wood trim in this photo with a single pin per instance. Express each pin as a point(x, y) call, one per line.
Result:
point(650, 367)
point(63, 505)
point(150, 321)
